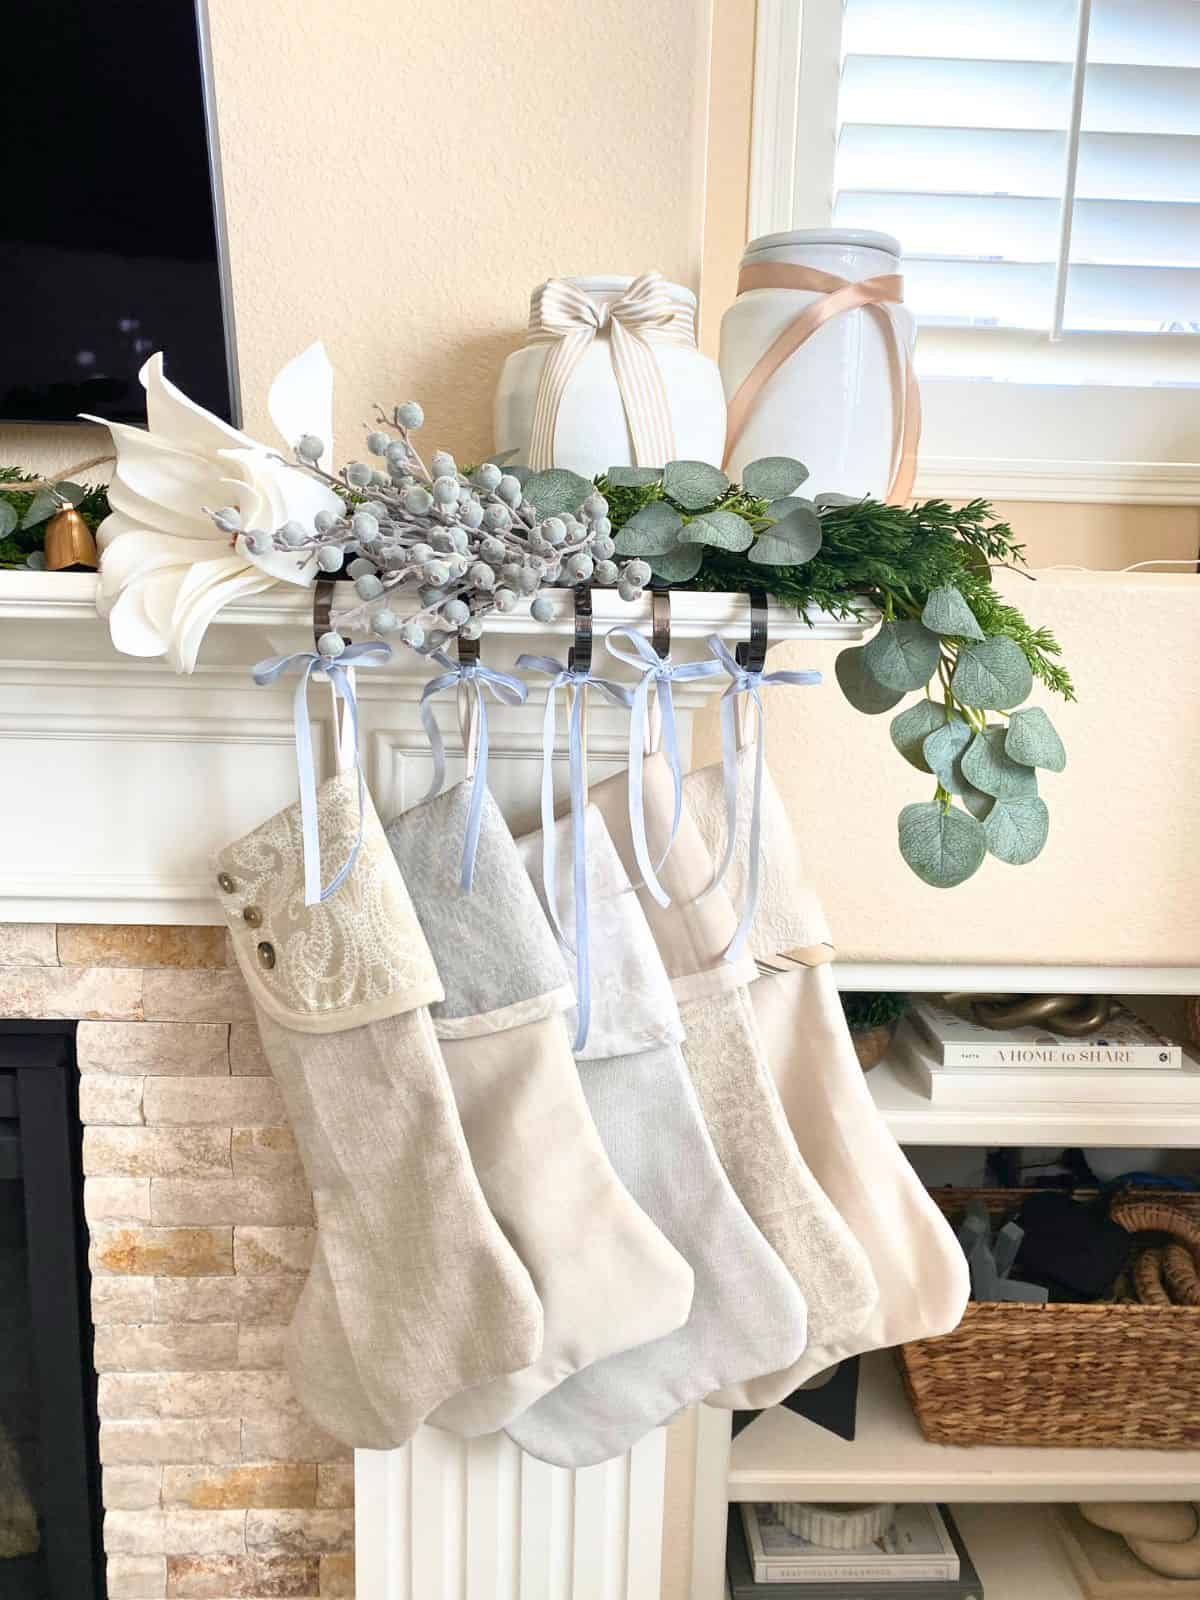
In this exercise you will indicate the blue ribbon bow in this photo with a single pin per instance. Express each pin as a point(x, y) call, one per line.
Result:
point(560, 677)
point(663, 673)
point(337, 670)
point(744, 680)
point(476, 677)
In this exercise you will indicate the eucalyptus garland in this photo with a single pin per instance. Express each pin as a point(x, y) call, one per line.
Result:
point(491, 537)
point(24, 512)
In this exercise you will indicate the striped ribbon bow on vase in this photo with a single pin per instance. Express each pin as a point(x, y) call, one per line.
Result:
point(569, 319)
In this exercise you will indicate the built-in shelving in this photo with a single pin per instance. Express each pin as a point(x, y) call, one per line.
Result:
point(915, 1120)
point(781, 1456)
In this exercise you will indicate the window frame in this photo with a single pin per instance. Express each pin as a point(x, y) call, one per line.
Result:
point(797, 65)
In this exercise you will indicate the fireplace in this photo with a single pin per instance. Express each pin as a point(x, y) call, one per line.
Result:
point(49, 1474)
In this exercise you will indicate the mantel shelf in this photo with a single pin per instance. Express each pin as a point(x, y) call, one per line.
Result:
point(71, 597)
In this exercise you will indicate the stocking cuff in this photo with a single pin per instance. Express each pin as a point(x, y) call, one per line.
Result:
point(358, 956)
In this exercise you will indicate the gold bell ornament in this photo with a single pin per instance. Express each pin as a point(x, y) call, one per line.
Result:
point(69, 542)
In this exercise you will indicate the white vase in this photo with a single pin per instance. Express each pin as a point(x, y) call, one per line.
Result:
point(592, 430)
point(837, 402)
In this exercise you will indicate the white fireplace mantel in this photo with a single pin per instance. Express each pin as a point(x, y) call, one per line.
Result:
point(122, 778)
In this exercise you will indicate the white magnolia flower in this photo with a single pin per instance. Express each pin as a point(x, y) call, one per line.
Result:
point(165, 569)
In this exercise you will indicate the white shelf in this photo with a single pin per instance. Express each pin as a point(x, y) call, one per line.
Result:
point(781, 1456)
point(1016, 1552)
point(998, 978)
point(917, 1121)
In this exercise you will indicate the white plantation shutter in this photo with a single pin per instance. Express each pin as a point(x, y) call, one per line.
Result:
point(1040, 162)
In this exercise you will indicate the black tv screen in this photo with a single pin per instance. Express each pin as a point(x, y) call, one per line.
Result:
point(111, 238)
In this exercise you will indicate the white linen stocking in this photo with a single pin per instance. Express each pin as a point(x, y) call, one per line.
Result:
point(746, 1311)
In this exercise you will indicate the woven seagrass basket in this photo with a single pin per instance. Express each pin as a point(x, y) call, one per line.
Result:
point(1107, 1374)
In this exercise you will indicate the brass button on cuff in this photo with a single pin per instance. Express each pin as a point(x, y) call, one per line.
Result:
point(252, 917)
point(266, 955)
point(225, 883)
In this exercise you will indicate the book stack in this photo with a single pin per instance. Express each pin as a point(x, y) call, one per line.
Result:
point(920, 1557)
point(956, 1062)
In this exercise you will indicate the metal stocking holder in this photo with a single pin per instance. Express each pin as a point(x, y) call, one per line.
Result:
point(660, 622)
point(751, 654)
point(323, 592)
point(579, 656)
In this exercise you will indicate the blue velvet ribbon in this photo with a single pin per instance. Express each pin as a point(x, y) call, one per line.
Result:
point(661, 673)
point(338, 670)
point(743, 680)
point(476, 677)
point(561, 677)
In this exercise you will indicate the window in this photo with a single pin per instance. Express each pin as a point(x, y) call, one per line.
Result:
point(1039, 160)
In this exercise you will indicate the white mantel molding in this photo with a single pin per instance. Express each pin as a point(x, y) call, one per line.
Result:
point(122, 778)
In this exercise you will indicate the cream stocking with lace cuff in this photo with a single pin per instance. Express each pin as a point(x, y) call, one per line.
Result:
point(417, 1294)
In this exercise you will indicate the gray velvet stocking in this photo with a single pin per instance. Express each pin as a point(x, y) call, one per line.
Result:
point(607, 1277)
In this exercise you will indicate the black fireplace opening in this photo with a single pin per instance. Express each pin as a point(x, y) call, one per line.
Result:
point(50, 1541)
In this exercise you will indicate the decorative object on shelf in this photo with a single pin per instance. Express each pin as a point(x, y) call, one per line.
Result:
point(816, 357)
point(991, 1259)
point(1167, 1273)
point(1163, 1537)
point(50, 523)
point(872, 1019)
point(165, 570)
point(1071, 1014)
point(1106, 1374)
point(1103, 1560)
point(610, 374)
point(969, 1031)
point(742, 1585)
point(836, 1527)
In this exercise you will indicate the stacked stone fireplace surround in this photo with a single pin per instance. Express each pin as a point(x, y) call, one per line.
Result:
point(215, 1484)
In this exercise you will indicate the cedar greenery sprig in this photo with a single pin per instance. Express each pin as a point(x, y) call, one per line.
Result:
point(945, 632)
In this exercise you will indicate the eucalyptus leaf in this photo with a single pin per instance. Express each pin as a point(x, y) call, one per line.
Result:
point(515, 470)
point(943, 750)
point(679, 565)
point(652, 531)
point(778, 509)
point(1033, 741)
point(831, 498)
point(725, 530)
point(8, 519)
point(976, 802)
point(694, 484)
point(556, 490)
point(992, 675)
point(633, 477)
point(987, 766)
point(44, 504)
point(772, 476)
point(1016, 830)
point(904, 655)
point(947, 613)
point(942, 847)
point(503, 458)
point(72, 493)
point(790, 542)
point(864, 692)
point(911, 728)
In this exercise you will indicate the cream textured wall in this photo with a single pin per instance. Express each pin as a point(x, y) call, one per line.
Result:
point(397, 180)
point(1116, 883)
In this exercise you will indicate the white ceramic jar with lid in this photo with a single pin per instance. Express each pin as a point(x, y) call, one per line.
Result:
point(610, 376)
point(816, 359)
